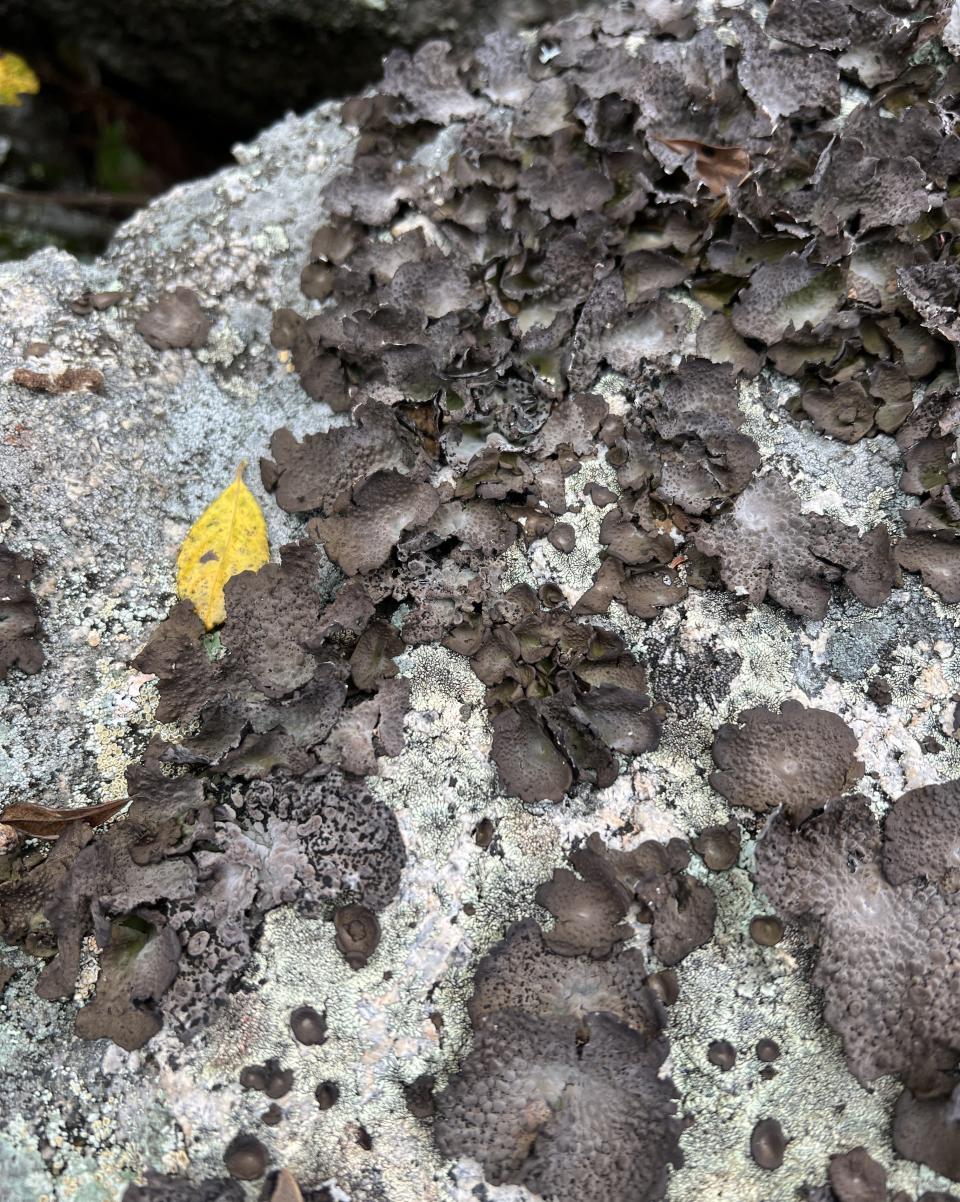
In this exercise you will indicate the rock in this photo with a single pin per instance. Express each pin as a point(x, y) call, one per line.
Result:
point(102, 488)
point(135, 465)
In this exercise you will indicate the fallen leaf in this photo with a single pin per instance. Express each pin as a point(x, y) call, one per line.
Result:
point(230, 536)
point(285, 1188)
point(16, 79)
point(74, 379)
point(48, 822)
point(716, 166)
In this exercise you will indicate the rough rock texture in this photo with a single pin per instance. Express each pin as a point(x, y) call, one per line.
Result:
point(134, 464)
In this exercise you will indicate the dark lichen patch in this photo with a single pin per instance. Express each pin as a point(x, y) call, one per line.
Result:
point(273, 713)
point(665, 985)
point(175, 321)
point(856, 1177)
point(19, 619)
point(900, 1015)
point(718, 846)
point(419, 1096)
point(767, 546)
point(564, 697)
point(926, 1130)
point(798, 759)
point(587, 915)
point(681, 909)
point(569, 1035)
point(922, 837)
point(518, 1072)
point(139, 963)
point(526, 971)
point(935, 554)
point(120, 883)
point(483, 324)
point(163, 1187)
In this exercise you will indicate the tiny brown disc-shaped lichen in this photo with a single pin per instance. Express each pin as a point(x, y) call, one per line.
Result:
point(768, 1144)
point(766, 930)
point(358, 934)
point(722, 1053)
point(246, 1158)
point(327, 1094)
point(175, 321)
point(308, 1026)
point(718, 846)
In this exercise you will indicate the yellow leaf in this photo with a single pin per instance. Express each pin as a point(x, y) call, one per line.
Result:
point(16, 79)
point(230, 536)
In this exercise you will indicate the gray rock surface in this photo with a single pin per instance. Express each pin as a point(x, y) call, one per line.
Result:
point(103, 488)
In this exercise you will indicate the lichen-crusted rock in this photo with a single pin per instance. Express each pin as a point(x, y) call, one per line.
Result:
point(109, 546)
point(478, 330)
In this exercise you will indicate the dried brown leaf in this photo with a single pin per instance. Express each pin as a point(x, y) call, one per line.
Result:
point(285, 1188)
point(73, 379)
point(48, 822)
point(715, 166)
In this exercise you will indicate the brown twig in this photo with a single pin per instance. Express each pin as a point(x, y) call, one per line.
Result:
point(78, 200)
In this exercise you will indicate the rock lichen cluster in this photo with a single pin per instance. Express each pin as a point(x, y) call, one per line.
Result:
point(600, 706)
